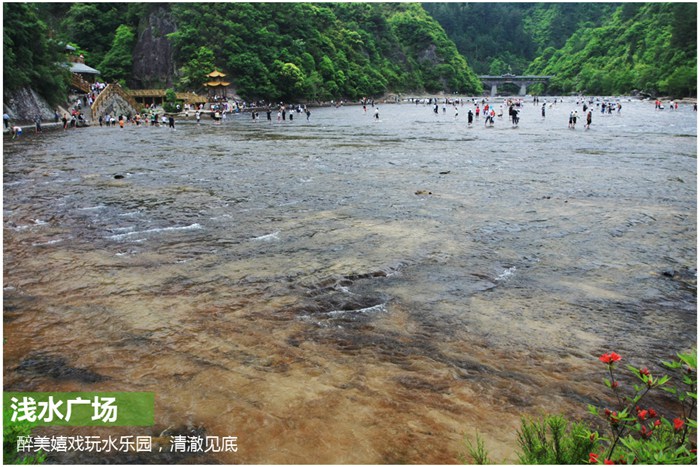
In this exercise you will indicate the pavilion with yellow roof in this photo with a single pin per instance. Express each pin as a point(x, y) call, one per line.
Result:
point(216, 84)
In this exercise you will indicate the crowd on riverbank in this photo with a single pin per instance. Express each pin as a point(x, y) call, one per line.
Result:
point(219, 112)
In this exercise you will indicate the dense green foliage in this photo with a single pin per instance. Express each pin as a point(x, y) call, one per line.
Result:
point(650, 47)
point(30, 57)
point(320, 51)
point(553, 440)
point(323, 51)
point(633, 432)
point(11, 434)
point(195, 71)
point(118, 62)
point(503, 38)
point(593, 48)
point(93, 26)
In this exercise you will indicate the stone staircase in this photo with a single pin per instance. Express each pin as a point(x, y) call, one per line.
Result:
point(114, 100)
point(78, 82)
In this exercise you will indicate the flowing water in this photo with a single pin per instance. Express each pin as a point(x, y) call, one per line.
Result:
point(346, 290)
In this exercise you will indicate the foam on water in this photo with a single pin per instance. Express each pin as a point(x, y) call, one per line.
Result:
point(506, 274)
point(155, 231)
point(372, 309)
point(274, 236)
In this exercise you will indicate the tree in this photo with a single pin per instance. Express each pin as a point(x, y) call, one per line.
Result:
point(194, 74)
point(30, 58)
point(118, 62)
point(682, 82)
point(685, 26)
point(93, 25)
point(171, 102)
point(498, 67)
point(290, 80)
point(252, 77)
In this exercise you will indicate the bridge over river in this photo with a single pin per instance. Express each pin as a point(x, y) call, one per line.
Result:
point(522, 81)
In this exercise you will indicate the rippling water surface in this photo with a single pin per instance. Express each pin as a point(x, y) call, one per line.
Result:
point(345, 290)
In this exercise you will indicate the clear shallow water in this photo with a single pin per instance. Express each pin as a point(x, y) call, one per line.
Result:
point(295, 285)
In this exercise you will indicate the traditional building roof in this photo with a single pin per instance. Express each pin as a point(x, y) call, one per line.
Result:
point(213, 84)
point(216, 74)
point(76, 67)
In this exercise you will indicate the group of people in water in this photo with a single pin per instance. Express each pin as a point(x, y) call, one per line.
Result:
point(284, 112)
point(514, 106)
point(138, 119)
point(485, 108)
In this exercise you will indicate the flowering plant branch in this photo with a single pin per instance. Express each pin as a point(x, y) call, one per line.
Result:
point(638, 434)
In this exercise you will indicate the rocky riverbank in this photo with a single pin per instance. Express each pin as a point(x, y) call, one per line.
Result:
point(25, 104)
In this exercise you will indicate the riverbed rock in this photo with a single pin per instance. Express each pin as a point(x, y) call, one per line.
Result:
point(687, 277)
point(53, 366)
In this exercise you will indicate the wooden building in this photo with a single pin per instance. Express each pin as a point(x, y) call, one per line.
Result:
point(146, 97)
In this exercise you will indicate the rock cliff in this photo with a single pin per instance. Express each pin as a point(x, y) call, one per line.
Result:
point(25, 104)
point(154, 64)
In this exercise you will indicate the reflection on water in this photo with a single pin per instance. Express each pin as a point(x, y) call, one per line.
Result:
point(344, 290)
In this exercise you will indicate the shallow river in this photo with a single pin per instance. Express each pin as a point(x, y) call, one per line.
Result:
point(347, 290)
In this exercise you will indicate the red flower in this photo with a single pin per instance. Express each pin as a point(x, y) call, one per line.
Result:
point(644, 371)
point(609, 358)
point(657, 423)
point(642, 415)
point(652, 413)
point(593, 458)
point(608, 462)
point(678, 424)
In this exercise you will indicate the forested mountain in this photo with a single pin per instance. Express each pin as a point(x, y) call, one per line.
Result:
point(503, 38)
point(650, 47)
point(271, 50)
point(592, 48)
point(323, 51)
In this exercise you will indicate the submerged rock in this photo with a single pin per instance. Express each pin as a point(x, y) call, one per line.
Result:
point(57, 368)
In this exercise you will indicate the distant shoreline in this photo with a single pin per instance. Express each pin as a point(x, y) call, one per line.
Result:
point(28, 127)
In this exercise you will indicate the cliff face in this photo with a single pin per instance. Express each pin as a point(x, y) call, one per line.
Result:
point(23, 105)
point(154, 65)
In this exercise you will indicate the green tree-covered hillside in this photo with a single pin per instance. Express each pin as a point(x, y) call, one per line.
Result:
point(323, 51)
point(650, 47)
point(31, 58)
point(319, 51)
point(268, 50)
point(596, 48)
point(503, 38)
